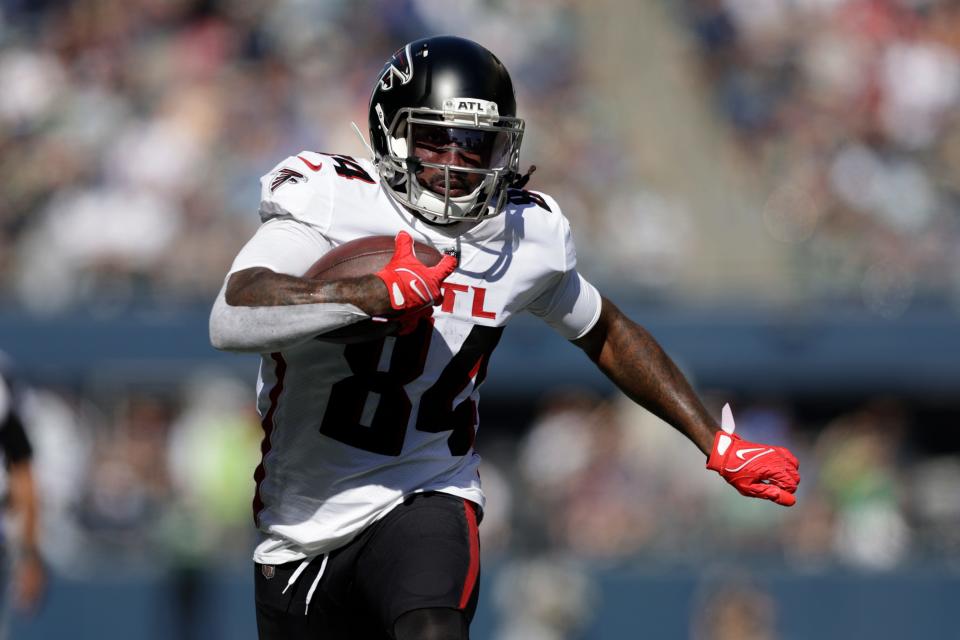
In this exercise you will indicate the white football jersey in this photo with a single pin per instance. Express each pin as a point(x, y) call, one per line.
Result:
point(349, 430)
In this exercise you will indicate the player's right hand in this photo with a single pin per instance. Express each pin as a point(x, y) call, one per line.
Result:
point(411, 284)
point(755, 470)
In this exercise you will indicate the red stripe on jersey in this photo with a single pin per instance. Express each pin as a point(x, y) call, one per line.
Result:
point(476, 368)
point(280, 369)
point(474, 569)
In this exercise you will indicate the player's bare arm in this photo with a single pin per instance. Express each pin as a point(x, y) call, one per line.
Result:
point(386, 292)
point(261, 310)
point(261, 287)
point(30, 574)
point(635, 362)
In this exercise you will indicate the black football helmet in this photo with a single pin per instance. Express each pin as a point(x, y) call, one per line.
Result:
point(446, 93)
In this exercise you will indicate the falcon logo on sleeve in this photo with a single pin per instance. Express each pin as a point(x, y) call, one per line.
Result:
point(284, 176)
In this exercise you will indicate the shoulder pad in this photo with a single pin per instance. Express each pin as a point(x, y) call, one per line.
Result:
point(303, 186)
point(290, 187)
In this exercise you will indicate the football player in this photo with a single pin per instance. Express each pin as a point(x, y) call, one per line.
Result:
point(367, 497)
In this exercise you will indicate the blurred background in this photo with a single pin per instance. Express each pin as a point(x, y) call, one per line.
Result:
point(772, 188)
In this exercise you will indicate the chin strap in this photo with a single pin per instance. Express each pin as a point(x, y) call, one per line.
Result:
point(519, 182)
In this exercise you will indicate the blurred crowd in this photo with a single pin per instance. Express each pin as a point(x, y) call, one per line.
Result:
point(848, 111)
point(612, 482)
point(134, 134)
point(151, 480)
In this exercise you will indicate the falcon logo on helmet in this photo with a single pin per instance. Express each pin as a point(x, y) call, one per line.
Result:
point(400, 67)
point(446, 139)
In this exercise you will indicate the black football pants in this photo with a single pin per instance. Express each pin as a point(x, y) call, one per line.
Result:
point(412, 575)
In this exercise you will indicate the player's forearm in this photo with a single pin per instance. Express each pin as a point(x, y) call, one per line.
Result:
point(254, 318)
point(636, 363)
point(23, 499)
point(260, 287)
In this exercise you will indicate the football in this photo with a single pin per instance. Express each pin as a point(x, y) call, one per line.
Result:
point(361, 257)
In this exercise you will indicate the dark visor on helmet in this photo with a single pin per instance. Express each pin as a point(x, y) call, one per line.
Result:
point(485, 148)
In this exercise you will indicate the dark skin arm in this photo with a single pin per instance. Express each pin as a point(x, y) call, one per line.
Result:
point(632, 359)
point(29, 575)
point(261, 287)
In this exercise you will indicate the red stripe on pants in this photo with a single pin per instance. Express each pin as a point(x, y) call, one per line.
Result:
point(474, 569)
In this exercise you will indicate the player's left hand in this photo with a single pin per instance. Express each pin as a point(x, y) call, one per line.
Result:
point(755, 470)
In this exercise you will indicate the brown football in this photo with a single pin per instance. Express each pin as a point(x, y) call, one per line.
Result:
point(361, 257)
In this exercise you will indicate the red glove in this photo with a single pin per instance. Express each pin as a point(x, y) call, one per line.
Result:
point(411, 284)
point(755, 470)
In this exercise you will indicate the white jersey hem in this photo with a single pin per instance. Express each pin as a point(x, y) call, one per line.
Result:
point(274, 549)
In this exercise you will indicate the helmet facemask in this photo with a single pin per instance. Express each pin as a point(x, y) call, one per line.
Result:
point(485, 148)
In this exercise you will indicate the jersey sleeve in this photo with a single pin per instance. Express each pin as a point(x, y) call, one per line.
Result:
point(568, 303)
point(13, 438)
point(283, 245)
point(301, 188)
